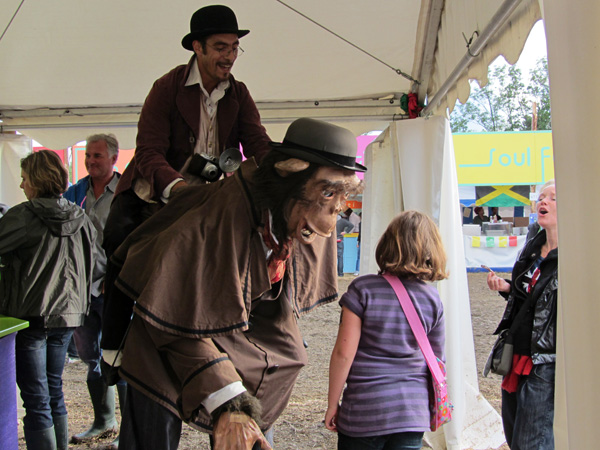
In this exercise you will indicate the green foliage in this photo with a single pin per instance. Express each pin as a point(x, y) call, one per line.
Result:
point(505, 103)
point(539, 87)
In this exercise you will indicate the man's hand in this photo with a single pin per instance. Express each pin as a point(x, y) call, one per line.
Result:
point(109, 373)
point(110, 370)
point(238, 431)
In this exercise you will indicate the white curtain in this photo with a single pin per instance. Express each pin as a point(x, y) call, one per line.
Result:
point(411, 166)
point(573, 35)
point(13, 148)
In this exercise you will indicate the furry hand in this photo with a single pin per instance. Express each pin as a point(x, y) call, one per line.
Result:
point(238, 431)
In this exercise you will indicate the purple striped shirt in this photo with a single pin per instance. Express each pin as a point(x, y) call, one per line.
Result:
point(387, 388)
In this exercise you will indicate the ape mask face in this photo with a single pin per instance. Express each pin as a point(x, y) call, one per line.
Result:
point(306, 179)
point(323, 197)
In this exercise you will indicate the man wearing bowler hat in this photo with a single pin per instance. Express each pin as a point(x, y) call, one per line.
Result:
point(217, 344)
point(195, 110)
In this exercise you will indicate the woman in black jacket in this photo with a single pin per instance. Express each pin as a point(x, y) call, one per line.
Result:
point(528, 390)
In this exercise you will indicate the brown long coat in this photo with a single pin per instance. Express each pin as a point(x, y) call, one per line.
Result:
point(206, 314)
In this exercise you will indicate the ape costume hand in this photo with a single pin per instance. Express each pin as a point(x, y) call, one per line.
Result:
point(237, 425)
point(238, 431)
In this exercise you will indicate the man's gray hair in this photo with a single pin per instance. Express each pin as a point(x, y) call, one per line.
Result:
point(112, 145)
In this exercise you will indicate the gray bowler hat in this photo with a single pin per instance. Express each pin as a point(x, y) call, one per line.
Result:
point(320, 142)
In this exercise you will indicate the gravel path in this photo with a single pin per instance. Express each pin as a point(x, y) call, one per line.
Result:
point(301, 427)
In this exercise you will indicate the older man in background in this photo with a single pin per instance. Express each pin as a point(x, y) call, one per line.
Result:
point(94, 193)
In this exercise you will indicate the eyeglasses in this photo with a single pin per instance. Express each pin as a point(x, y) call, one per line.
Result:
point(226, 50)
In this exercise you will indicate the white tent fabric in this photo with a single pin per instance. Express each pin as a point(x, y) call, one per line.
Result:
point(508, 42)
point(573, 35)
point(12, 149)
point(72, 68)
point(411, 166)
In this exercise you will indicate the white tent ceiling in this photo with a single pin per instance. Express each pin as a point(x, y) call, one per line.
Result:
point(74, 67)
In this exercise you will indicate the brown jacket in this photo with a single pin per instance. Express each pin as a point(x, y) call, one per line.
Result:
point(206, 314)
point(168, 128)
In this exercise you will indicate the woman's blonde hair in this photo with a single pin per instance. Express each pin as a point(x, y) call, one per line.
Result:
point(47, 174)
point(547, 184)
point(411, 247)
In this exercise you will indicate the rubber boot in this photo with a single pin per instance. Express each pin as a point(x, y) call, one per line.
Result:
point(103, 401)
point(61, 430)
point(122, 390)
point(40, 439)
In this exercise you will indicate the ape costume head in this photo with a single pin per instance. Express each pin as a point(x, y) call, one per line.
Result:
point(305, 180)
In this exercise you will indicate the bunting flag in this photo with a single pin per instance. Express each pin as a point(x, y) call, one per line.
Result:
point(502, 195)
point(475, 241)
point(490, 241)
point(503, 241)
point(512, 241)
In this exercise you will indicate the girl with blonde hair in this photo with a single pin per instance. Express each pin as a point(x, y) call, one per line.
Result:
point(385, 404)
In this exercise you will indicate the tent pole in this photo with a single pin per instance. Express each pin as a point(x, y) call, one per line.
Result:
point(490, 30)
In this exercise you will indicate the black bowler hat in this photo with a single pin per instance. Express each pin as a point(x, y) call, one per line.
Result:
point(320, 142)
point(214, 19)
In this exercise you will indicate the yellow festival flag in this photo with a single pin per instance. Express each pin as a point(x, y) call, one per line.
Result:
point(503, 241)
point(475, 241)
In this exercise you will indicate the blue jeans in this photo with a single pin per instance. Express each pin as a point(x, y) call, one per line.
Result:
point(528, 414)
point(340, 258)
point(411, 440)
point(40, 359)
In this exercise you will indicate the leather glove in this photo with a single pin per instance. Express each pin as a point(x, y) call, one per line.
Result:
point(238, 431)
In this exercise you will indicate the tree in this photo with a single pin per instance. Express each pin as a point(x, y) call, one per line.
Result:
point(504, 104)
point(539, 88)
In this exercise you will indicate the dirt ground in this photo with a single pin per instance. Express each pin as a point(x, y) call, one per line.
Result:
point(301, 426)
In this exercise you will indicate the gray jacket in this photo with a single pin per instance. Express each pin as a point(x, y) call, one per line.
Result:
point(46, 248)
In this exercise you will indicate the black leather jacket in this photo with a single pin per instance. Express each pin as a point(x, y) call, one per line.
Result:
point(545, 294)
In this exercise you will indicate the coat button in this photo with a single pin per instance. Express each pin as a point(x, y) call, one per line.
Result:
point(274, 368)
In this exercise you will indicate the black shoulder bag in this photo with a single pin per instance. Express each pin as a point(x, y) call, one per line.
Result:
point(500, 359)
